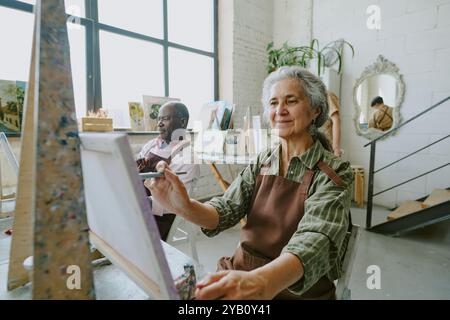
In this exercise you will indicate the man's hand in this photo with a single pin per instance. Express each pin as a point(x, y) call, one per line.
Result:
point(233, 285)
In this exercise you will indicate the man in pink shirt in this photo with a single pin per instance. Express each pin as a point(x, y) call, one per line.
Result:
point(172, 147)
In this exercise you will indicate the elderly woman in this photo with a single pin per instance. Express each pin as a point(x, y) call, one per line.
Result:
point(296, 198)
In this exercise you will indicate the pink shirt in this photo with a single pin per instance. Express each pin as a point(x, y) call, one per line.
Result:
point(181, 160)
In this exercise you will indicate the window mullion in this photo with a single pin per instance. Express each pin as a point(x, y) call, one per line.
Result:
point(95, 87)
point(166, 49)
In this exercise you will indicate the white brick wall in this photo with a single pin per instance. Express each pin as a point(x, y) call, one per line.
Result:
point(290, 22)
point(415, 35)
point(253, 30)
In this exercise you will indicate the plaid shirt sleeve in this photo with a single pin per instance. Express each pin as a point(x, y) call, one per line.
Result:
point(321, 232)
point(235, 202)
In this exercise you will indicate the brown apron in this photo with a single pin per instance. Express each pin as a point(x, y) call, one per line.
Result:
point(265, 233)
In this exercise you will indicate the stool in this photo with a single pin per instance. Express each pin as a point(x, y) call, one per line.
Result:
point(358, 171)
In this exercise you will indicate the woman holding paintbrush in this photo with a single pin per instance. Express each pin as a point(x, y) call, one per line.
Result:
point(296, 198)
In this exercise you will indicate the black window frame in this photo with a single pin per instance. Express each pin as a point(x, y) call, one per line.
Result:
point(93, 27)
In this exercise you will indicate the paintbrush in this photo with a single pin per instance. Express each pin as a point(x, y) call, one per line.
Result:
point(149, 175)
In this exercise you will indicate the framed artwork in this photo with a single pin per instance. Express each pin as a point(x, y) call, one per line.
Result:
point(136, 116)
point(12, 97)
point(9, 170)
point(151, 106)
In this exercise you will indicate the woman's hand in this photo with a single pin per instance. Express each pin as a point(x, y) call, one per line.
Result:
point(233, 285)
point(168, 190)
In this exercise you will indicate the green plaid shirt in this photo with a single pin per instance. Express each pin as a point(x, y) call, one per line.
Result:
point(319, 239)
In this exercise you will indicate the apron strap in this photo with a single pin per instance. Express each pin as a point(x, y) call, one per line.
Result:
point(330, 173)
point(306, 183)
point(336, 179)
point(307, 179)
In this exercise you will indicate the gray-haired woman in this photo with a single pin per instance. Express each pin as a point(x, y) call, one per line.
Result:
point(296, 198)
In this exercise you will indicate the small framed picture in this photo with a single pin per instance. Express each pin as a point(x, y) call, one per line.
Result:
point(136, 116)
point(151, 108)
point(12, 99)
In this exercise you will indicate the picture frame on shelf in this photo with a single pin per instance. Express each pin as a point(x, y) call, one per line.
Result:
point(12, 100)
point(136, 116)
point(151, 107)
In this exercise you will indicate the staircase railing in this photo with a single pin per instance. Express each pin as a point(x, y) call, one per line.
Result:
point(372, 170)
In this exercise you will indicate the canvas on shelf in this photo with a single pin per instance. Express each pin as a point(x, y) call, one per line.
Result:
point(151, 106)
point(217, 115)
point(136, 116)
point(12, 96)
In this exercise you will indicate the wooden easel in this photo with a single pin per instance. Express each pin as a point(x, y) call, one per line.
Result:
point(50, 219)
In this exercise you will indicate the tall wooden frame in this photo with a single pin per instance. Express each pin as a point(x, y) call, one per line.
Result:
point(50, 220)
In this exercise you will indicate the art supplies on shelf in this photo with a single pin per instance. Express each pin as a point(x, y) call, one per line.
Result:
point(217, 115)
point(210, 142)
point(97, 121)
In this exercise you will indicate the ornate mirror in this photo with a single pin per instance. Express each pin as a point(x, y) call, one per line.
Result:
point(377, 96)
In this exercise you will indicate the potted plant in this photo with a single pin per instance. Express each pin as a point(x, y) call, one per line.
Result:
point(327, 56)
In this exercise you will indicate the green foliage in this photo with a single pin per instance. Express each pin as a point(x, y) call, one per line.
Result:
point(302, 56)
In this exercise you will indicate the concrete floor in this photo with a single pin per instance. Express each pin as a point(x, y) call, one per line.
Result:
point(413, 266)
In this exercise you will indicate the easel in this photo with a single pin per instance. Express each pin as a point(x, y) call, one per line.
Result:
point(50, 219)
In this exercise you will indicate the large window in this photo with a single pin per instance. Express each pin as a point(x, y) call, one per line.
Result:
point(122, 50)
point(140, 16)
point(16, 34)
point(193, 30)
point(192, 78)
point(130, 68)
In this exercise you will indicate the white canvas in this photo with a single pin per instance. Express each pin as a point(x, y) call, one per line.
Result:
point(118, 210)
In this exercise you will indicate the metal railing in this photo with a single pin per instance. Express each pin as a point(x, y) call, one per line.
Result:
point(372, 170)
